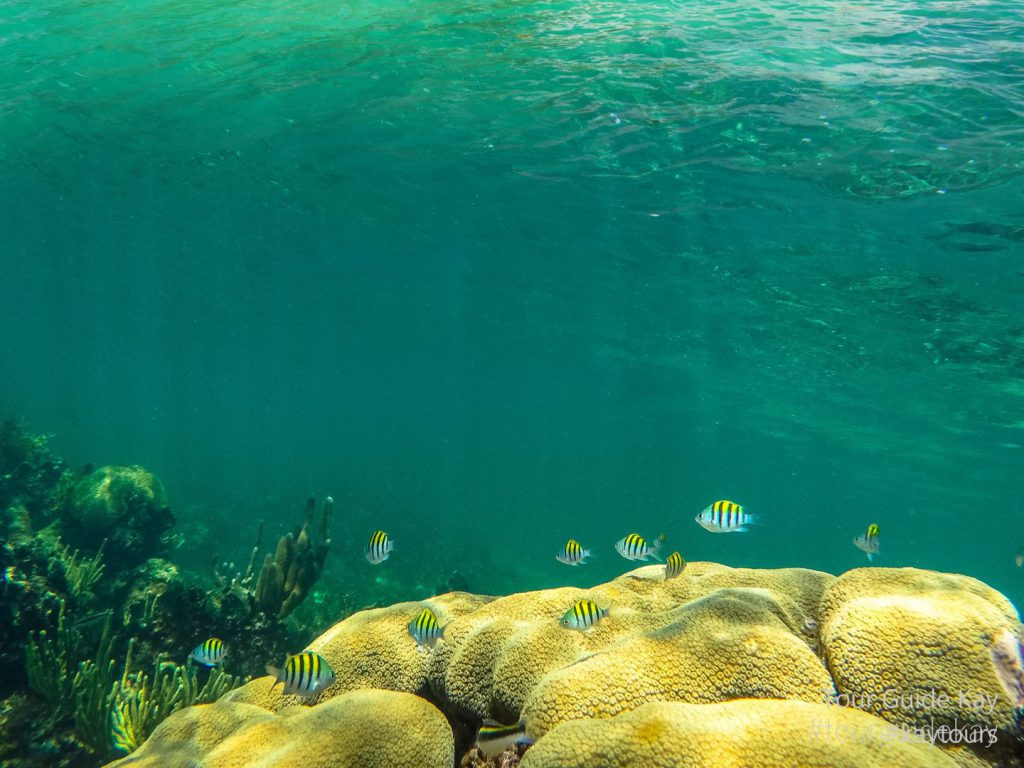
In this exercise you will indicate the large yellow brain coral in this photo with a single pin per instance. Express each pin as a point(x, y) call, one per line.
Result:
point(717, 667)
point(498, 656)
point(370, 649)
point(736, 734)
point(360, 729)
point(912, 645)
point(733, 643)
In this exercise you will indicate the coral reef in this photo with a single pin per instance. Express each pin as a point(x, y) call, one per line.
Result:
point(499, 655)
point(356, 647)
point(510, 758)
point(29, 473)
point(286, 578)
point(720, 666)
point(106, 712)
point(911, 646)
point(80, 592)
point(365, 728)
point(139, 702)
point(124, 506)
point(734, 734)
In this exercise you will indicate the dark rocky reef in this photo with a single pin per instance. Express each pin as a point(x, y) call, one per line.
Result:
point(96, 620)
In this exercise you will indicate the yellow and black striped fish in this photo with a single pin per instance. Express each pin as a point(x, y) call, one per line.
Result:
point(379, 547)
point(425, 629)
point(583, 615)
point(303, 674)
point(573, 553)
point(868, 543)
point(674, 565)
point(725, 517)
point(209, 653)
point(636, 547)
point(494, 738)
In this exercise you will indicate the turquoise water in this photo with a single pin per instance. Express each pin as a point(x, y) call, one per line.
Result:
point(497, 274)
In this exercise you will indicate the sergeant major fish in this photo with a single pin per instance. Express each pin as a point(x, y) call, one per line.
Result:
point(725, 517)
point(493, 738)
point(379, 547)
point(303, 674)
point(573, 553)
point(209, 653)
point(868, 543)
point(425, 629)
point(674, 565)
point(584, 614)
point(635, 547)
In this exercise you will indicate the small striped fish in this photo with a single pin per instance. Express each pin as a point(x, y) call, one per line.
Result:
point(303, 674)
point(724, 517)
point(868, 543)
point(209, 653)
point(425, 629)
point(674, 565)
point(379, 547)
point(636, 547)
point(573, 553)
point(494, 738)
point(583, 615)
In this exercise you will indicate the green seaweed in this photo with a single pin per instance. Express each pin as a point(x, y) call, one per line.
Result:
point(93, 696)
point(48, 654)
point(82, 574)
point(110, 713)
point(141, 701)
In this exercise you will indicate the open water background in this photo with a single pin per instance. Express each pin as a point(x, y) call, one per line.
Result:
point(494, 274)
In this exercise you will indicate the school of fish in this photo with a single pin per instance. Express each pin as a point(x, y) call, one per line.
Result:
point(307, 673)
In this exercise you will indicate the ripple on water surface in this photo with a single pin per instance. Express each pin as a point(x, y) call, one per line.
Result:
point(869, 99)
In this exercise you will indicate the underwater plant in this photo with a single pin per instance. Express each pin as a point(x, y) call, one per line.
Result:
point(92, 690)
point(47, 658)
point(82, 574)
point(73, 688)
point(140, 702)
point(110, 712)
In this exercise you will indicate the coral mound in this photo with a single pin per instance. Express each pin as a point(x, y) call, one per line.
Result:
point(911, 646)
point(738, 734)
point(732, 643)
point(126, 506)
point(719, 666)
point(370, 649)
point(361, 729)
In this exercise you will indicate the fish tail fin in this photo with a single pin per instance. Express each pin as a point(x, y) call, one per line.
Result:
point(871, 558)
point(753, 519)
point(275, 673)
point(655, 546)
point(523, 738)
